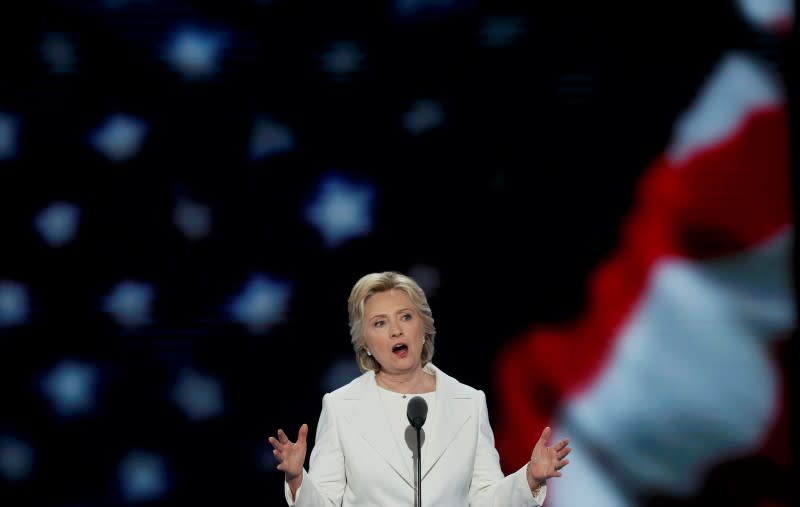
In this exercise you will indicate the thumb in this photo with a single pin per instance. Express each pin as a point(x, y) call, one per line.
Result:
point(302, 434)
point(545, 435)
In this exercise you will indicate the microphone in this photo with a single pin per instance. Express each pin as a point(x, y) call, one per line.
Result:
point(417, 412)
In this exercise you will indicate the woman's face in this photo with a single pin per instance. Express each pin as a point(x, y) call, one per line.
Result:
point(393, 331)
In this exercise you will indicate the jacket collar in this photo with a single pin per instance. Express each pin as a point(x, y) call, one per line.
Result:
point(445, 421)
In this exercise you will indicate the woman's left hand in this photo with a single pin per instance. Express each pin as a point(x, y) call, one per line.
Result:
point(546, 462)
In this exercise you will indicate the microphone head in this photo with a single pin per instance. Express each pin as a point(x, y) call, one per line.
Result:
point(417, 411)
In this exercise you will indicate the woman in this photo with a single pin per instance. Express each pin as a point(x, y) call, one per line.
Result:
point(363, 453)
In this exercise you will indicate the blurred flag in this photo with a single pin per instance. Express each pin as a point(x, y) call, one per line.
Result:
point(672, 385)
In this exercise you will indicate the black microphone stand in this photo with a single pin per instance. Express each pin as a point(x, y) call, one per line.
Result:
point(419, 467)
point(417, 412)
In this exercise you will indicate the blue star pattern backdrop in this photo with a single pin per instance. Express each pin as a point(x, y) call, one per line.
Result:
point(189, 189)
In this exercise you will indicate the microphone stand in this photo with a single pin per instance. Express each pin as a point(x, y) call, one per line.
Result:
point(419, 467)
point(417, 412)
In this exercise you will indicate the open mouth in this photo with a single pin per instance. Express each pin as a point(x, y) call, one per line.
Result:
point(401, 349)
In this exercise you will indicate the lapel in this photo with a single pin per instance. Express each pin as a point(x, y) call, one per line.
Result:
point(372, 423)
point(450, 412)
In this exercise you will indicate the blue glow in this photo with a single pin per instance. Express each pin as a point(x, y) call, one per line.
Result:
point(119, 138)
point(341, 371)
point(410, 11)
point(427, 277)
point(118, 4)
point(262, 304)
point(269, 138)
point(129, 303)
point(768, 15)
point(341, 210)
point(343, 59)
point(142, 477)
point(57, 224)
point(58, 53)
point(424, 115)
point(198, 396)
point(192, 219)
point(71, 387)
point(265, 459)
point(503, 31)
point(14, 303)
point(9, 131)
point(16, 459)
point(195, 53)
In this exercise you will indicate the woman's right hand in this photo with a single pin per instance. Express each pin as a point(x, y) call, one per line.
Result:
point(291, 456)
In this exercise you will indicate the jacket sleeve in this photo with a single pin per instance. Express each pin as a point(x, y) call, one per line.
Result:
point(323, 485)
point(489, 488)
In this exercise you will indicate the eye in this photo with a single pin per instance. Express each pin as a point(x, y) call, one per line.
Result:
point(406, 316)
point(378, 323)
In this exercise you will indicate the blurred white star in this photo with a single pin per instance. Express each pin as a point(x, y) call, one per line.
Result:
point(262, 303)
point(341, 210)
point(57, 224)
point(342, 59)
point(195, 53)
point(502, 31)
point(129, 303)
point(120, 137)
point(142, 477)
point(9, 129)
point(192, 218)
point(71, 387)
point(423, 116)
point(16, 459)
point(198, 396)
point(58, 53)
point(14, 303)
point(269, 138)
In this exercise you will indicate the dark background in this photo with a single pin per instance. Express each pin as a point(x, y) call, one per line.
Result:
point(512, 201)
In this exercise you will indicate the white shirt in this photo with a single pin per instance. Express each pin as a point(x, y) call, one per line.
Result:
point(395, 406)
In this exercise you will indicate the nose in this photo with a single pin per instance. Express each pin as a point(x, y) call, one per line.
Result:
point(396, 329)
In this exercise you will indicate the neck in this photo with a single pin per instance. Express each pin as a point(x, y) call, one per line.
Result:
point(404, 382)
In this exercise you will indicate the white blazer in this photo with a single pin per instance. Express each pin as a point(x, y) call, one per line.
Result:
point(356, 462)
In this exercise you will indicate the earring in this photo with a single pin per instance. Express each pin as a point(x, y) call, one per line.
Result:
point(369, 353)
point(423, 339)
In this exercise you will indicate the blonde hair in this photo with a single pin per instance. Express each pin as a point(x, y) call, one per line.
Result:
point(372, 284)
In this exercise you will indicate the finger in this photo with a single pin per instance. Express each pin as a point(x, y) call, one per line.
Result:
point(561, 444)
point(562, 464)
point(302, 434)
point(275, 443)
point(545, 435)
point(564, 453)
point(282, 437)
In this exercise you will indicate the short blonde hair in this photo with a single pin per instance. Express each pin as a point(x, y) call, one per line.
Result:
point(372, 284)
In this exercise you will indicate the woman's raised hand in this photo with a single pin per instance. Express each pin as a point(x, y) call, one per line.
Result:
point(290, 455)
point(547, 462)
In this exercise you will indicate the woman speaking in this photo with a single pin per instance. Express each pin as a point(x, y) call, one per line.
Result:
point(365, 449)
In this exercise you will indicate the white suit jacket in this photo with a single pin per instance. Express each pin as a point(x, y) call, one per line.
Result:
point(356, 462)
